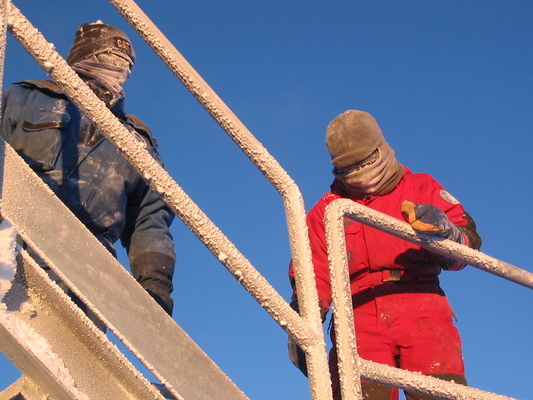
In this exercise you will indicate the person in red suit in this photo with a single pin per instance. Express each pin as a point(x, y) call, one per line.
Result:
point(402, 316)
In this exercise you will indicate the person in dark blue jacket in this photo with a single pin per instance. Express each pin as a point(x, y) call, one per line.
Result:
point(84, 169)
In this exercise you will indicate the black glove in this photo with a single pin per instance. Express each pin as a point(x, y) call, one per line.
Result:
point(154, 273)
point(296, 354)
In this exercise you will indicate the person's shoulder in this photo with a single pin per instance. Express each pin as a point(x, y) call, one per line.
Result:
point(410, 176)
point(45, 86)
point(329, 197)
point(315, 216)
point(325, 200)
point(142, 128)
point(420, 182)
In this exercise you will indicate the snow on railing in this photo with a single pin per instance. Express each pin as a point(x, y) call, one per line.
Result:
point(268, 165)
point(8, 263)
point(351, 366)
point(306, 330)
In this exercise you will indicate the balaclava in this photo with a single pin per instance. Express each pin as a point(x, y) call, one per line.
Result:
point(364, 163)
point(103, 57)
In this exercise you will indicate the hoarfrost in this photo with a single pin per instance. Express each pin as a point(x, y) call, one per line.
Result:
point(8, 264)
point(24, 333)
point(41, 349)
point(48, 66)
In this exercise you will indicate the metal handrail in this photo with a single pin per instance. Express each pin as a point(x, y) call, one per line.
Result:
point(306, 330)
point(268, 165)
point(351, 366)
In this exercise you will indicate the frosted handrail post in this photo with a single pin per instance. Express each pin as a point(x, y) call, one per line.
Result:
point(3, 37)
point(349, 364)
point(294, 207)
point(344, 318)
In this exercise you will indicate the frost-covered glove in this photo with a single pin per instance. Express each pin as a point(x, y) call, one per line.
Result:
point(296, 354)
point(427, 218)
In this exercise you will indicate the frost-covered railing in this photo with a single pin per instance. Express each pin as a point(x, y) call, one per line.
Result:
point(306, 330)
point(351, 366)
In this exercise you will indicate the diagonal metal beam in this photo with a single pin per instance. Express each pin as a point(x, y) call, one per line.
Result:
point(22, 389)
point(106, 287)
point(58, 349)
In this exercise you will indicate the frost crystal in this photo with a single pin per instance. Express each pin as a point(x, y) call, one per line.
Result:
point(7, 257)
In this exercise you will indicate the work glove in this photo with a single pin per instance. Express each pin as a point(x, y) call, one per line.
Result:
point(154, 273)
point(429, 219)
point(296, 354)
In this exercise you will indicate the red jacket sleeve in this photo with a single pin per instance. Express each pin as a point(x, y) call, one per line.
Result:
point(317, 238)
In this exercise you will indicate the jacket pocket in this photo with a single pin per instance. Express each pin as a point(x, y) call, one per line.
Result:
point(38, 138)
point(352, 231)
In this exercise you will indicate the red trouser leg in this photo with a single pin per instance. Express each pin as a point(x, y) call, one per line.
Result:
point(414, 331)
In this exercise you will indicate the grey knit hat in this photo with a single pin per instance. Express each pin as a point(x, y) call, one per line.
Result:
point(96, 38)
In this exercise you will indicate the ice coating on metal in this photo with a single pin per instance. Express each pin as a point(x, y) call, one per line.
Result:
point(436, 244)
point(65, 336)
point(110, 289)
point(419, 383)
point(229, 122)
point(275, 174)
point(81, 95)
point(28, 338)
point(348, 360)
point(41, 350)
point(3, 37)
point(8, 265)
point(350, 364)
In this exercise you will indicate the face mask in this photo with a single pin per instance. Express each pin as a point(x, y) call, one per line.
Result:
point(106, 74)
point(363, 175)
point(376, 174)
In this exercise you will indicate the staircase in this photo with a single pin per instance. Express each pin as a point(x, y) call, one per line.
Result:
point(45, 335)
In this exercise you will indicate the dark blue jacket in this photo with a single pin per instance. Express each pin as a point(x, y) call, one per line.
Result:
point(85, 170)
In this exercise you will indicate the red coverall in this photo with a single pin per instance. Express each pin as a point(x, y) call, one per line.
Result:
point(403, 321)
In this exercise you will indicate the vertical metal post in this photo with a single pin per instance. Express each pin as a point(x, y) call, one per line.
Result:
point(349, 364)
point(294, 207)
point(3, 36)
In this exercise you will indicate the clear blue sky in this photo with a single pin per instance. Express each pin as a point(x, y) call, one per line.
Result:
point(451, 86)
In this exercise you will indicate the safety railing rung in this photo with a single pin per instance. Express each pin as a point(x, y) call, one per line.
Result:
point(351, 366)
point(308, 334)
point(305, 329)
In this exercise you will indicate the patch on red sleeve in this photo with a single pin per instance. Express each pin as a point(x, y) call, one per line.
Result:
point(448, 197)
